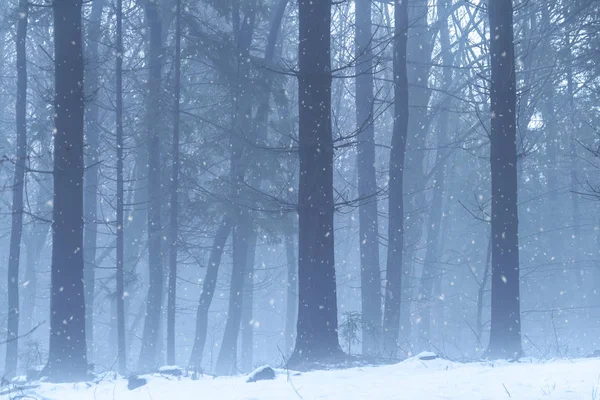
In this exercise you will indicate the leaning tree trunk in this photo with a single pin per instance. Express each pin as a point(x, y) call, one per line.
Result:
point(208, 291)
point(505, 332)
point(92, 127)
point(67, 359)
point(393, 294)
point(243, 224)
point(370, 273)
point(155, 287)
point(317, 335)
point(12, 347)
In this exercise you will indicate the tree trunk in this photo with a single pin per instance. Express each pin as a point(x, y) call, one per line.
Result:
point(154, 306)
point(434, 223)
point(317, 336)
point(121, 346)
point(248, 317)
point(227, 359)
point(92, 127)
point(173, 234)
point(12, 345)
point(505, 333)
point(393, 294)
point(370, 273)
point(291, 310)
point(208, 291)
point(67, 360)
point(34, 246)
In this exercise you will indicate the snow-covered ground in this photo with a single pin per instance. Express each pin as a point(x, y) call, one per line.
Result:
point(412, 379)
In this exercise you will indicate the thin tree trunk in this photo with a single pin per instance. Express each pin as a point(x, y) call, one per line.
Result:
point(434, 223)
point(208, 291)
point(291, 310)
point(370, 273)
point(67, 359)
point(154, 306)
point(121, 346)
point(92, 127)
point(243, 224)
point(248, 317)
point(172, 290)
point(12, 345)
point(317, 335)
point(34, 246)
point(505, 333)
point(393, 294)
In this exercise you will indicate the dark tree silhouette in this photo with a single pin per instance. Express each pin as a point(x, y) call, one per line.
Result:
point(505, 332)
point(393, 293)
point(370, 273)
point(317, 336)
point(155, 287)
point(67, 359)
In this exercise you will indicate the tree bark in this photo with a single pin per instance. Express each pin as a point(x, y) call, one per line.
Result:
point(393, 294)
point(67, 359)
point(317, 336)
point(208, 291)
point(154, 306)
point(120, 299)
point(370, 273)
point(291, 310)
point(12, 345)
point(90, 198)
point(505, 333)
point(174, 229)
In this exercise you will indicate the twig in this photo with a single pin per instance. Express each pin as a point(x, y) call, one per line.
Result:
point(23, 335)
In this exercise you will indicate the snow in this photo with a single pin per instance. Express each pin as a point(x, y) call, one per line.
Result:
point(410, 379)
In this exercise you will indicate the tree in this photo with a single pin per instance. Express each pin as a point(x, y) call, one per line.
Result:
point(120, 222)
point(317, 335)
point(12, 347)
point(370, 273)
point(67, 359)
point(155, 287)
point(393, 293)
point(172, 288)
point(505, 333)
point(90, 198)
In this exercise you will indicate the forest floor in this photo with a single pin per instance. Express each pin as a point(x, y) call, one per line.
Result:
point(411, 379)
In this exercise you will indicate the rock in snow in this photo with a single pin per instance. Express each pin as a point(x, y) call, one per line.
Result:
point(263, 373)
point(135, 382)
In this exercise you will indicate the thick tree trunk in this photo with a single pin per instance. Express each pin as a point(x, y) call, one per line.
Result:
point(92, 127)
point(208, 291)
point(317, 335)
point(154, 306)
point(12, 345)
point(121, 346)
point(67, 360)
point(173, 234)
point(370, 273)
point(505, 333)
point(393, 294)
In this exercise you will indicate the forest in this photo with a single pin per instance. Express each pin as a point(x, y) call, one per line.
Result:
point(219, 185)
